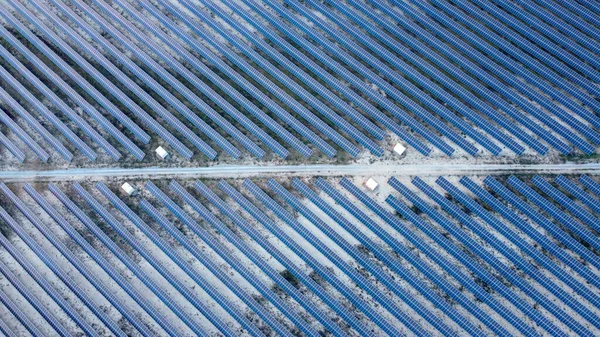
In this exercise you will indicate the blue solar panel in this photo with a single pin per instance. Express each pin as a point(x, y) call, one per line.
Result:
point(412, 73)
point(124, 99)
point(217, 247)
point(302, 276)
point(353, 251)
point(16, 311)
point(299, 73)
point(125, 285)
point(92, 252)
point(37, 304)
point(10, 146)
point(298, 90)
point(396, 267)
point(317, 266)
point(540, 238)
point(519, 261)
point(468, 261)
point(212, 266)
point(391, 263)
point(423, 65)
point(578, 192)
point(224, 85)
point(590, 184)
point(562, 54)
point(266, 268)
point(533, 63)
point(579, 34)
point(398, 96)
point(189, 76)
point(452, 69)
point(14, 127)
point(33, 123)
point(388, 105)
point(503, 59)
point(41, 280)
point(64, 108)
point(576, 8)
point(147, 79)
point(479, 73)
point(58, 81)
point(573, 225)
point(157, 265)
point(53, 265)
point(550, 32)
point(4, 328)
point(48, 115)
point(580, 212)
point(183, 264)
point(558, 233)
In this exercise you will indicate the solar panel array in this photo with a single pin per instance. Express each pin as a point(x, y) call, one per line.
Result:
point(447, 256)
point(108, 79)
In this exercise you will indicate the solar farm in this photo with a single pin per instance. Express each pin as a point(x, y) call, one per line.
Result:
point(307, 168)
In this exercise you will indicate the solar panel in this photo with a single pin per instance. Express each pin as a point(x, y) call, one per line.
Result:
point(64, 108)
point(504, 60)
point(562, 54)
point(404, 83)
point(10, 146)
point(590, 42)
point(546, 29)
point(590, 184)
point(556, 231)
point(585, 216)
point(183, 264)
point(352, 251)
point(147, 79)
point(300, 74)
point(479, 73)
point(452, 69)
point(449, 83)
point(391, 263)
point(212, 266)
point(468, 261)
point(217, 247)
point(578, 192)
point(541, 239)
point(136, 109)
point(37, 304)
point(518, 260)
point(567, 221)
point(53, 265)
point(266, 268)
point(14, 127)
point(5, 329)
point(398, 96)
point(306, 96)
point(58, 81)
point(157, 265)
point(534, 63)
point(189, 76)
point(20, 315)
point(317, 266)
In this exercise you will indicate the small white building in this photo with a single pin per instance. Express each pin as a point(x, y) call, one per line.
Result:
point(162, 153)
point(399, 149)
point(130, 190)
point(371, 184)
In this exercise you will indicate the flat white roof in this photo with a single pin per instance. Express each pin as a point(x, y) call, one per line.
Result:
point(371, 184)
point(162, 152)
point(399, 149)
point(128, 188)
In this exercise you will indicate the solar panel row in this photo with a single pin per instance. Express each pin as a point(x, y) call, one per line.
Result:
point(451, 254)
